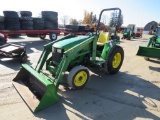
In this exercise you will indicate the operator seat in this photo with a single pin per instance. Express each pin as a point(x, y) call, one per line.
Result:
point(103, 38)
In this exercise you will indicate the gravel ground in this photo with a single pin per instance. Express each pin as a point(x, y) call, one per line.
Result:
point(131, 94)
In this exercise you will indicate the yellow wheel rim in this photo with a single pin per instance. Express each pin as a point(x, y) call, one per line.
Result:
point(80, 78)
point(116, 60)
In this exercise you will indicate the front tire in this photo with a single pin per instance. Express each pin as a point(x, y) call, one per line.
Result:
point(114, 60)
point(78, 77)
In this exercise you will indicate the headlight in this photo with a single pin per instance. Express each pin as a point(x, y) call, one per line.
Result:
point(59, 50)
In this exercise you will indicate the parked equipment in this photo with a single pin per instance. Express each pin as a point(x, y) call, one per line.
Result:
point(131, 31)
point(72, 53)
point(153, 48)
point(53, 34)
point(15, 24)
point(12, 50)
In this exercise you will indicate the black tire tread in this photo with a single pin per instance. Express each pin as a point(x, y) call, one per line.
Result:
point(10, 14)
point(26, 13)
point(73, 72)
point(108, 69)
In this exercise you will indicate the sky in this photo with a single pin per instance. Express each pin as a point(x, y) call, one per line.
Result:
point(138, 12)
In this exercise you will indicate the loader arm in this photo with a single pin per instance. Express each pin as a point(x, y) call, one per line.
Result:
point(70, 55)
point(151, 40)
point(37, 89)
point(47, 50)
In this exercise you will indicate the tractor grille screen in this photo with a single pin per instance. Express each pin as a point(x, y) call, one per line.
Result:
point(56, 56)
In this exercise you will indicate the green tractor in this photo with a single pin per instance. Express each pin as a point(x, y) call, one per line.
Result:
point(38, 87)
point(129, 32)
point(153, 48)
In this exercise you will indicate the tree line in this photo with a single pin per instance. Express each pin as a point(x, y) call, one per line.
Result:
point(91, 19)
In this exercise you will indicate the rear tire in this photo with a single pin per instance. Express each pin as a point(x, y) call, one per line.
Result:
point(114, 60)
point(53, 36)
point(146, 58)
point(129, 38)
point(42, 37)
point(78, 77)
point(134, 35)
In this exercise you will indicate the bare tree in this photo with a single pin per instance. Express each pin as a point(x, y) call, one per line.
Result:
point(94, 18)
point(104, 19)
point(80, 22)
point(73, 22)
point(114, 20)
point(65, 20)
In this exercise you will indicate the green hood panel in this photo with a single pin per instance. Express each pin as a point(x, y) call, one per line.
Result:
point(67, 43)
point(125, 33)
point(158, 40)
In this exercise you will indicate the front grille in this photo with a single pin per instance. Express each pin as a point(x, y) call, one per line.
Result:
point(125, 36)
point(56, 56)
point(157, 45)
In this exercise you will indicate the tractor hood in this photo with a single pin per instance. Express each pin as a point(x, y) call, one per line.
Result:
point(68, 43)
point(125, 33)
point(158, 40)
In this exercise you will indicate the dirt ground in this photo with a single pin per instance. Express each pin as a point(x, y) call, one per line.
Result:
point(131, 94)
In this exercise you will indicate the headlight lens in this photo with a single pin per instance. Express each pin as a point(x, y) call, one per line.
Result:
point(59, 50)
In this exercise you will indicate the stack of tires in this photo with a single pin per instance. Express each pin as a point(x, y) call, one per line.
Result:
point(81, 28)
point(50, 20)
point(72, 28)
point(1, 23)
point(11, 21)
point(26, 20)
point(38, 23)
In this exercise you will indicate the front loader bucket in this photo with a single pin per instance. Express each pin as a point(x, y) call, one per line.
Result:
point(149, 52)
point(35, 89)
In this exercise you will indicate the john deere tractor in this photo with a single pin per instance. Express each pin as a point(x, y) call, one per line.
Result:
point(153, 48)
point(38, 86)
point(129, 32)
